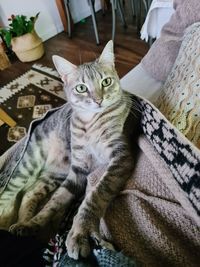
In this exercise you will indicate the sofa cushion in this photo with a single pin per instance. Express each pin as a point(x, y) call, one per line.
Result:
point(180, 96)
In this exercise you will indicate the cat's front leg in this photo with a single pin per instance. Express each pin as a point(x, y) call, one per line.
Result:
point(78, 239)
point(93, 207)
point(85, 229)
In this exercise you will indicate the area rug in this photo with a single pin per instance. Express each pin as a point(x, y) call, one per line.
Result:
point(27, 98)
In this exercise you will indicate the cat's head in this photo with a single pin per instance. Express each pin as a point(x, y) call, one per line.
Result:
point(92, 86)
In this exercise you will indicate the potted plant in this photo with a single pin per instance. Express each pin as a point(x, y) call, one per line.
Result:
point(22, 38)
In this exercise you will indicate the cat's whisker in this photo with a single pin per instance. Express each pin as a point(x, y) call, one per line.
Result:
point(132, 104)
point(68, 117)
point(133, 113)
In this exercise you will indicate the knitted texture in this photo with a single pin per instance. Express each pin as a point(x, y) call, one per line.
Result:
point(108, 258)
point(181, 156)
point(180, 97)
point(147, 221)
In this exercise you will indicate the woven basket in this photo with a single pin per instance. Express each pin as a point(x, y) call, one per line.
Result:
point(4, 61)
point(28, 47)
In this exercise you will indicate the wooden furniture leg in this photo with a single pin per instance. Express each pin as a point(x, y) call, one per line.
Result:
point(65, 15)
point(61, 9)
point(4, 61)
point(6, 118)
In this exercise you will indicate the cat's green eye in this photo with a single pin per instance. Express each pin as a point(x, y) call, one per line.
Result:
point(106, 82)
point(81, 88)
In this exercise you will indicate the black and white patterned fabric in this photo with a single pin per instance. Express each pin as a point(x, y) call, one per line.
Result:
point(56, 255)
point(180, 155)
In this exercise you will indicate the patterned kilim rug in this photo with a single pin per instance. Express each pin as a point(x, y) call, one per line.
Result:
point(27, 98)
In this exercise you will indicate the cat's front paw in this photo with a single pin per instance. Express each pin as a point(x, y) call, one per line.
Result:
point(78, 239)
point(24, 229)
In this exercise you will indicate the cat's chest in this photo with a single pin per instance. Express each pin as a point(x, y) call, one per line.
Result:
point(97, 153)
point(96, 149)
point(56, 152)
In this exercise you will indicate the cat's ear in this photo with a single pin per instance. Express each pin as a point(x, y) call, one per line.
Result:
point(63, 66)
point(107, 56)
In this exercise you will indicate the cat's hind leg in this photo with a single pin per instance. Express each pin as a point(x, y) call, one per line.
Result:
point(52, 210)
point(33, 198)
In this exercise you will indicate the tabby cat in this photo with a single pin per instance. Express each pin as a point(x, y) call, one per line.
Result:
point(60, 156)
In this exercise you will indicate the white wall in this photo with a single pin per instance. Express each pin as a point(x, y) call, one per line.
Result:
point(49, 22)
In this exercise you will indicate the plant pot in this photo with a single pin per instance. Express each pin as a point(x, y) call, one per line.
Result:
point(4, 61)
point(28, 47)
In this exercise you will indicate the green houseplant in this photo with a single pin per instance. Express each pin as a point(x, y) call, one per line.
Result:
point(22, 37)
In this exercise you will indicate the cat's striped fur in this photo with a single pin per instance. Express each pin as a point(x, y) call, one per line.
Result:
point(42, 169)
point(59, 159)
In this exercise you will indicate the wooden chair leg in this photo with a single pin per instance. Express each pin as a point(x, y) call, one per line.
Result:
point(6, 118)
point(63, 16)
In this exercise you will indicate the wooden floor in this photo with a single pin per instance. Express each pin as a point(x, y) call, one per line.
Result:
point(129, 49)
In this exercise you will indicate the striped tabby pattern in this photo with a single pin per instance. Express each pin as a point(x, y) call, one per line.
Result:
point(57, 167)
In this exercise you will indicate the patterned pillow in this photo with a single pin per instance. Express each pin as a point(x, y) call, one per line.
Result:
point(180, 96)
